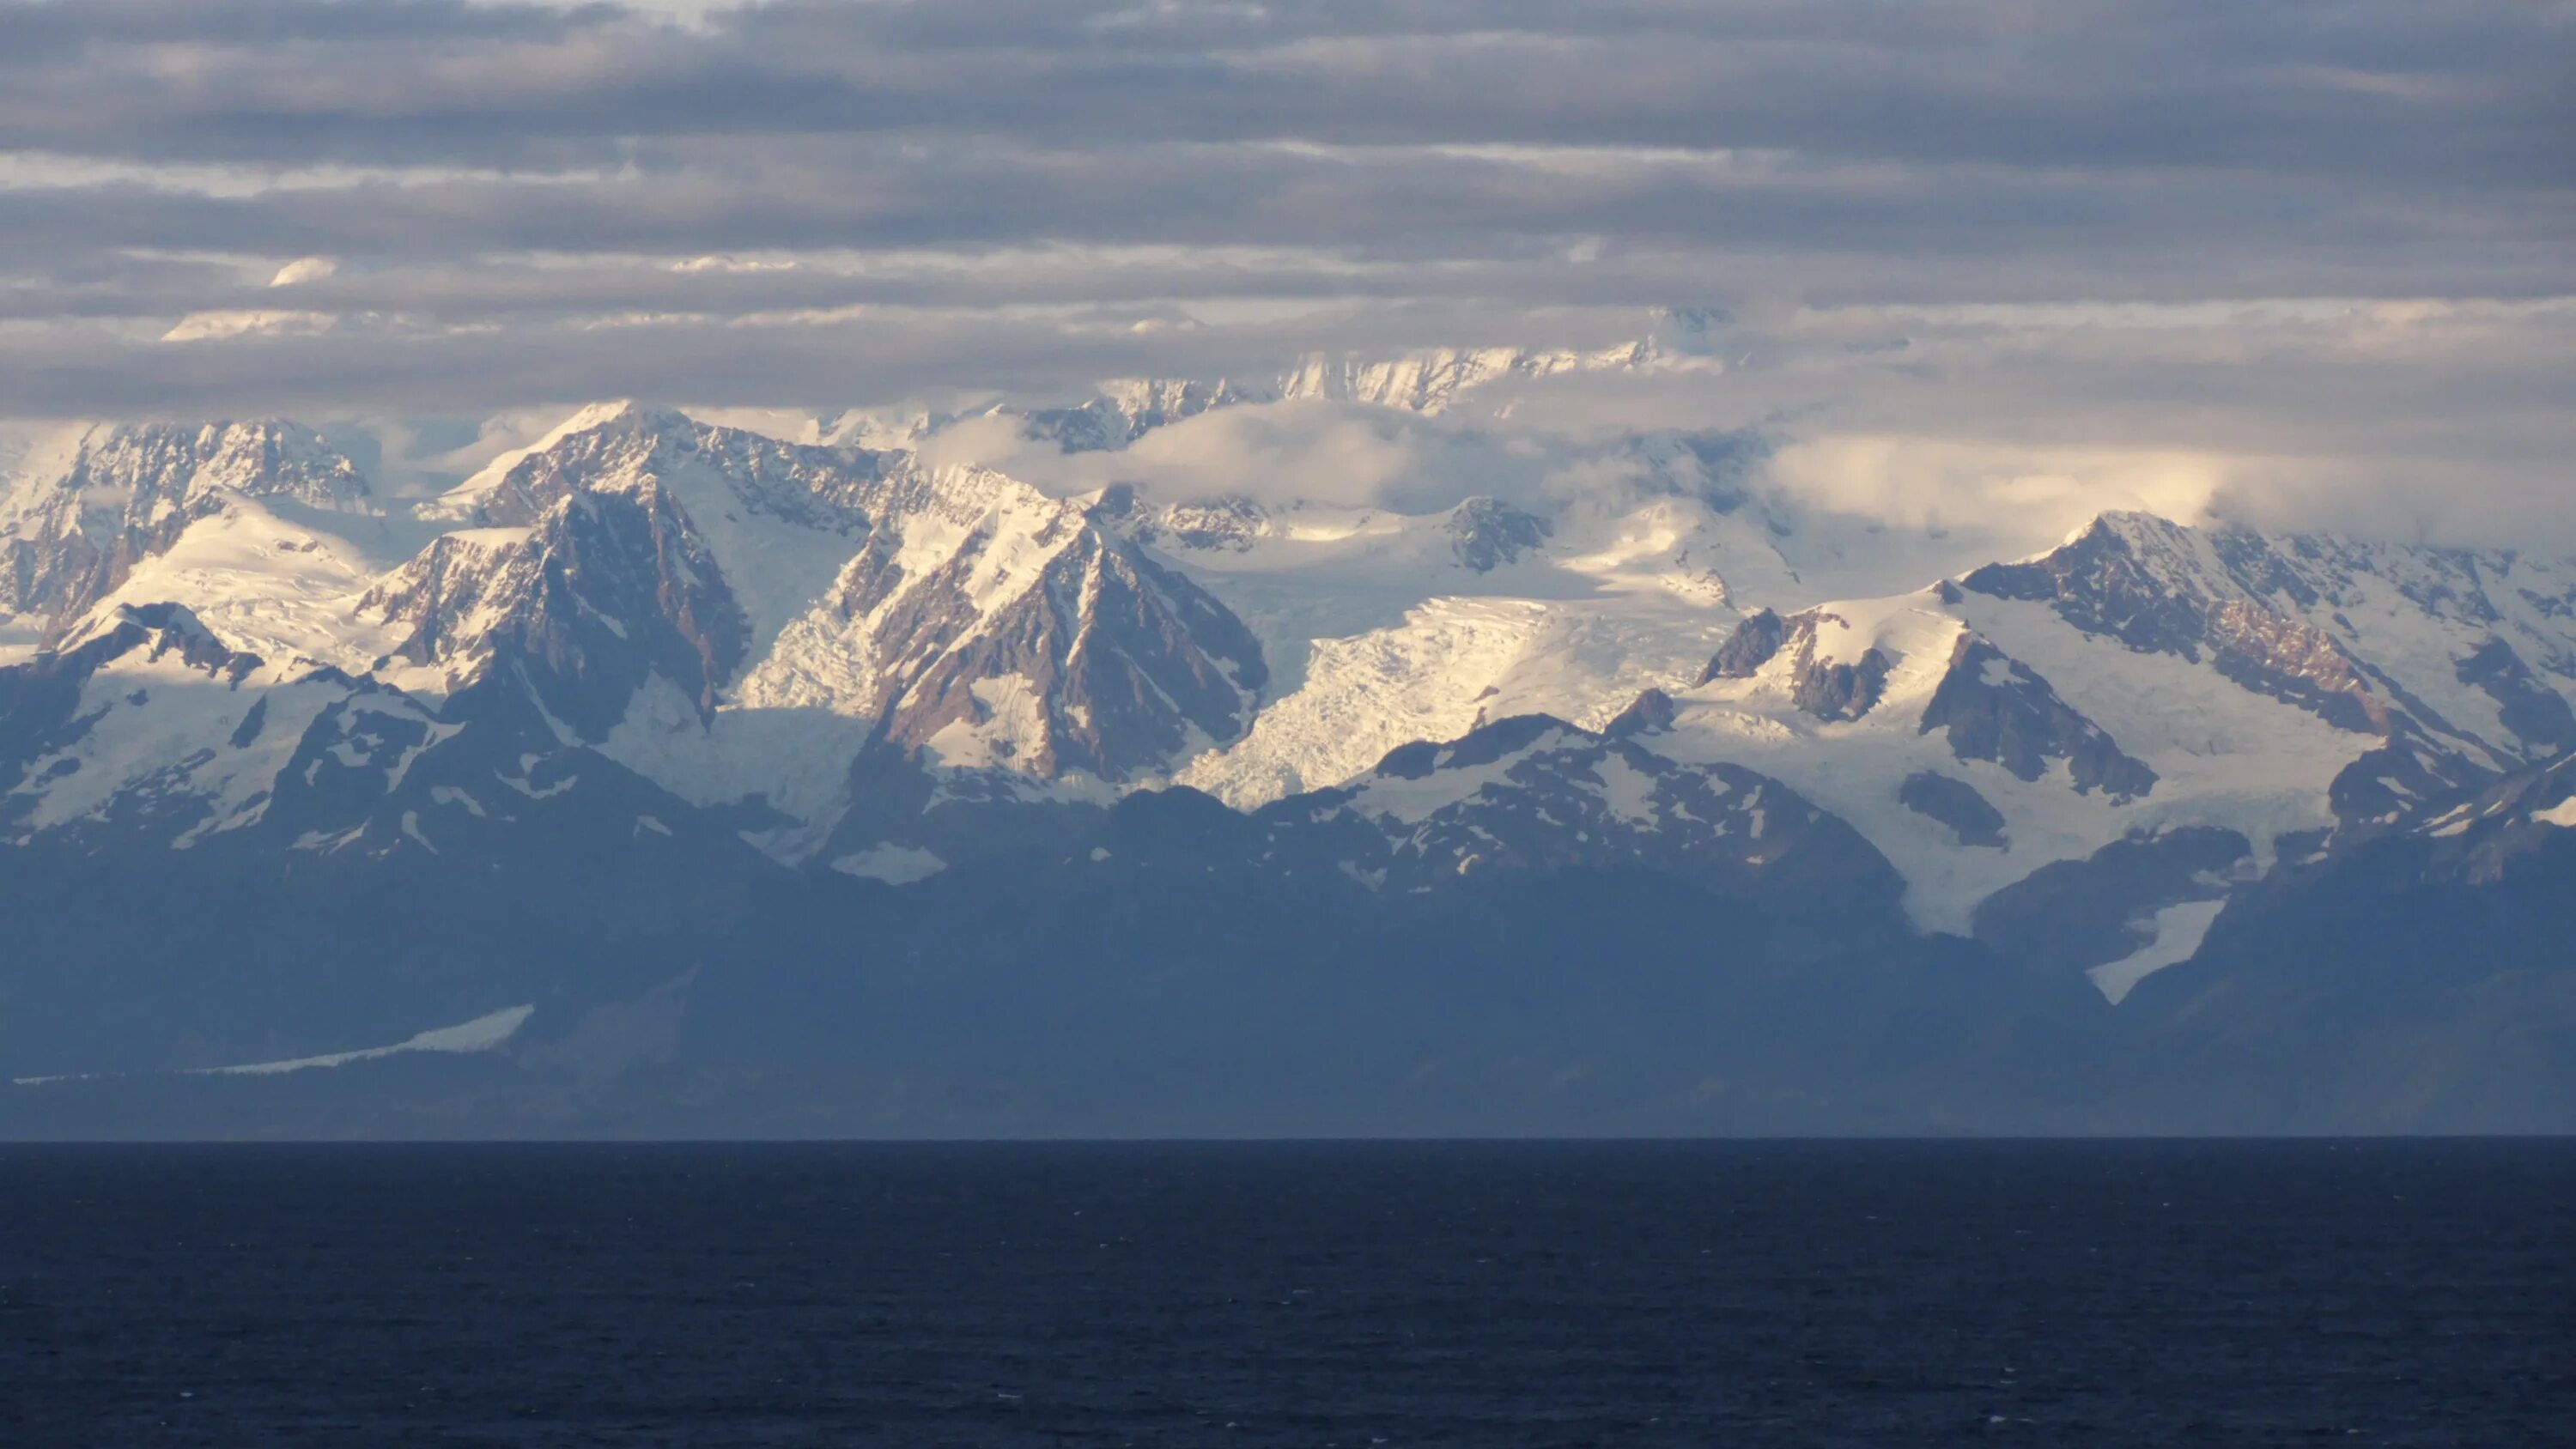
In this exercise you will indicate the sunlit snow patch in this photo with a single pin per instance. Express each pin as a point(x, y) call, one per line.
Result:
point(2562, 814)
point(2179, 932)
point(482, 1034)
point(893, 864)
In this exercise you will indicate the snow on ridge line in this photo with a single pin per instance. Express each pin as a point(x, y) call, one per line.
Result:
point(482, 1034)
point(461, 500)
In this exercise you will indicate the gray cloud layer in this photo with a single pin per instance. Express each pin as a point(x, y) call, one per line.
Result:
point(979, 122)
point(984, 193)
point(2463, 94)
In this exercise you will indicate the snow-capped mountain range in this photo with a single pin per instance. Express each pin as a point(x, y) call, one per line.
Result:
point(868, 665)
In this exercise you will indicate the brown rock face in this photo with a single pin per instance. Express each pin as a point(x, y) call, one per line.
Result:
point(606, 591)
point(1122, 658)
point(1751, 646)
point(2147, 583)
point(1998, 709)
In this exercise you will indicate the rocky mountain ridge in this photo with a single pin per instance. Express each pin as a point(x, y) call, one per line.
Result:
point(838, 669)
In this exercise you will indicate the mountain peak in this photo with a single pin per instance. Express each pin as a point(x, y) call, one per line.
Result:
point(176, 623)
point(263, 457)
point(627, 414)
point(76, 522)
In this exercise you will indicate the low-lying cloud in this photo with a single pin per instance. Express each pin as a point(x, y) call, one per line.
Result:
point(2302, 258)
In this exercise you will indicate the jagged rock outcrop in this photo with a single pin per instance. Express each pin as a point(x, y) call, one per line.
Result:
point(1832, 673)
point(1752, 645)
point(1487, 533)
point(1652, 712)
point(1956, 804)
point(1999, 709)
point(1835, 691)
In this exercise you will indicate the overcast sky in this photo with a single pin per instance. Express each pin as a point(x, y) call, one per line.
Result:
point(2311, 257)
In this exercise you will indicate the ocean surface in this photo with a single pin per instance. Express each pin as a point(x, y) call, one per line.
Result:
point(2092, 1294)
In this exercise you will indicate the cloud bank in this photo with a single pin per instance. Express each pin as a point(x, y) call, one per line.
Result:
point(2308, 257)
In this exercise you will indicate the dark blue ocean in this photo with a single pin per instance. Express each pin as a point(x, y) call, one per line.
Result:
point(2094, 1294)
